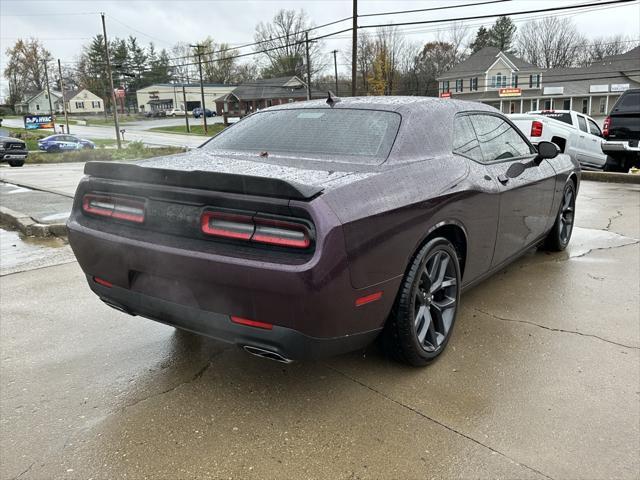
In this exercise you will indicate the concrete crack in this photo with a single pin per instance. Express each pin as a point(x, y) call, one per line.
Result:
point(437, 422)
point(24, 471)
point(551, 329)
point(195, 377)
point(612, 218)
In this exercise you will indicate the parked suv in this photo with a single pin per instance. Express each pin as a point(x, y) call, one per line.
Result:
point(622, 132)
point(197, 112)
point(13, 151)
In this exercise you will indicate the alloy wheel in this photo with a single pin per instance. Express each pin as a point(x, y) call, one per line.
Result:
point(566, 215)
point(435, 301)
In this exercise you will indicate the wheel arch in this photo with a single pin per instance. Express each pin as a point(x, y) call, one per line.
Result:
point(453, 231)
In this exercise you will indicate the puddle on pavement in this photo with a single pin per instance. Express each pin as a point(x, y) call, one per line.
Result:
point(19, 252)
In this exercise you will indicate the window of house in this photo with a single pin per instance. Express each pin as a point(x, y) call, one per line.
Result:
point(445, 86)
point(498, 139)
point(514, 80)
point(538, 80)
point(95, 104)
point(585, 105)
point(465, 142)
point(566, 104)
point(475, 83)
point(498, 80)
point(547, 104)
point(79, 104)
point(534, 104)
point(459, 85)
point(603, 105)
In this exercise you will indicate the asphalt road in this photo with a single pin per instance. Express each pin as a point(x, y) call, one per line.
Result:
point(541, 380)
point(135, 131)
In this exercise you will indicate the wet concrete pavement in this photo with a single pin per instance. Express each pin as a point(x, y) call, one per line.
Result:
point(541, 379)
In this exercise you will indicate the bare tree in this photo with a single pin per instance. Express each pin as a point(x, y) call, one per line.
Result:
point(607, 46)
point(25, 67)
point(282, 43)
point(550, 43)
point(182, 62)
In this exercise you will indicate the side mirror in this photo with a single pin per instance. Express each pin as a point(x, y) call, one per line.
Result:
point(546, 150)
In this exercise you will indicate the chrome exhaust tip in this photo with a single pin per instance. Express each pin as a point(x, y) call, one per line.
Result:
point(268, 354)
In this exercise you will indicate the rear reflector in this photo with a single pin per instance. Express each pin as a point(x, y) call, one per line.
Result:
point(103, 282)
point(536, 128)
point(251, 323)
point(368, 299)
point(121, 208)
point(266, 230)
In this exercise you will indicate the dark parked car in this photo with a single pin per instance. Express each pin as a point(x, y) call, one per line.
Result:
point(622, 132)
point(310, 229)
point(13, 151)
point(61, 143)
point(156, 114)
point(197, 112)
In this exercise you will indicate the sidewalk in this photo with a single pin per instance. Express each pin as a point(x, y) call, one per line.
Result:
point(34, 212)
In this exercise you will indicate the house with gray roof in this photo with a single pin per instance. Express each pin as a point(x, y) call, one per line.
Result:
point(512, 85)
point(257, 94)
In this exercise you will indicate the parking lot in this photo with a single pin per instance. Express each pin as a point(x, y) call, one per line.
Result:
point(540, 380)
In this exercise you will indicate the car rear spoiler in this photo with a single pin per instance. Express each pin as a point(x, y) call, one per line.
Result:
point(217, 181)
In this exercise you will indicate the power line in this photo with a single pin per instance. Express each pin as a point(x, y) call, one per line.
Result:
point(400, 12)
point(493, 15)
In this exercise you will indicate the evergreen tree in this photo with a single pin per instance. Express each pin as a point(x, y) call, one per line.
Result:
point(502, 34)
point(483, 39)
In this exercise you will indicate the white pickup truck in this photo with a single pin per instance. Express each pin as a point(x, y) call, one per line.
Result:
point(576, 134)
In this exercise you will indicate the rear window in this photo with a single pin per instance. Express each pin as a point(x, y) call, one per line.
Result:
point(358, 136)
point(563, 117)
point(628, 103)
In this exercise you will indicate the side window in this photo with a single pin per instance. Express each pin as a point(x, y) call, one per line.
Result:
point(465, 142)
point(582, 123)
point(498, 139)
point(594, 128)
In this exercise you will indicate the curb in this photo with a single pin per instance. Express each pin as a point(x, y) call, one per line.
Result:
point(611, 177)
point(29, 226)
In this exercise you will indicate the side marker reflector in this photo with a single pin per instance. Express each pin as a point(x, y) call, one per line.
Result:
point(368, 299)
point(251, 323)
point(103, 282)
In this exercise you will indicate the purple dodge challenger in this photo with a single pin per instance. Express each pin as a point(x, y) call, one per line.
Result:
point(310, 229)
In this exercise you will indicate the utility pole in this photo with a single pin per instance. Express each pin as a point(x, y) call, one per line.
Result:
point(354, 48)
point(64, 102)
point(204, 110)
point(186, 113)
point(114, 105)
point(335, 67)
point(306, 42)
point(46, 79)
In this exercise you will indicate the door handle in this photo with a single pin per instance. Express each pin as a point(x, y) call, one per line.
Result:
point(503, 179)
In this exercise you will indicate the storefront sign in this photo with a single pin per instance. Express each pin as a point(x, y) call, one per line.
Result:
point(32, 122)
point(619, 87)
point(553, 91)
point(598, 88)
point(510, 92)
point(445, 95)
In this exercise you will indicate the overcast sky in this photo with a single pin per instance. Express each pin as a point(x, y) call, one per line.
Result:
point(65, 25)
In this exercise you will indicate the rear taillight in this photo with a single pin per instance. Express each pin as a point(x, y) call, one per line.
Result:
point(121, 208)
point(605, 127)
point(278, 232)
point(256, 229)
point(227, 225)
point(536, 128)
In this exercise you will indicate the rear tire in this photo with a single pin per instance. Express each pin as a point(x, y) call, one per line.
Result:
point(560, 234)
point(425, 310)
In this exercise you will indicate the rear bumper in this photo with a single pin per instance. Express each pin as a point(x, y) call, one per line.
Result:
point(621, 146)
point(286, 342)
point(193, 285)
